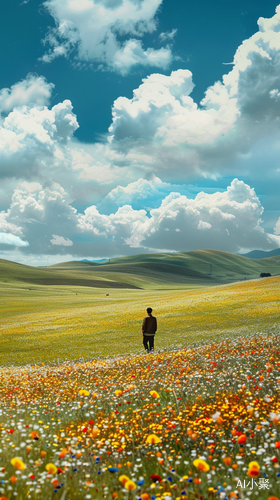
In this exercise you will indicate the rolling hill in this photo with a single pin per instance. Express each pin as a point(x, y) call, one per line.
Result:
point(201, 268)
point(261, 254)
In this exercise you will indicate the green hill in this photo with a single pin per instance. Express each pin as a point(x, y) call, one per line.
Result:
point(146, 271)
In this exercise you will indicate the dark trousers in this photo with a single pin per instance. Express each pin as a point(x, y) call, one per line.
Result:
point(148, 342)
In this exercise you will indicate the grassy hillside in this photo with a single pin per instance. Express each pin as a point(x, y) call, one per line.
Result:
point(148, 271)
point(48, 324)
point(166, 270)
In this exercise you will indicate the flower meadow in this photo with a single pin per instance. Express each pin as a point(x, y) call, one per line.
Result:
point(198, 422)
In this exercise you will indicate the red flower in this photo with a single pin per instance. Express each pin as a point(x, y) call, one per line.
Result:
point(242, 439)
point(156, 478)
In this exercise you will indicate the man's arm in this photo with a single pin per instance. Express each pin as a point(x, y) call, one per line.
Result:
point(144, 326)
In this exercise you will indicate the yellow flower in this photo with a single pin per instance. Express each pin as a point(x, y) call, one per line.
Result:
point(153, 439)
point(154, 394)
point(118, 392)
point(130, 485)
point(253, 470)
point(18, 463)
point(83, 392)
point(254, 465)
point(201, 464)
point(123, 479)
point(51, 468)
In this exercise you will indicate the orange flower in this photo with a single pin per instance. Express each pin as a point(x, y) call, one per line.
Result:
point(253, 470)
point(227, 461)
point(34, 435)
point(28, 450)
point(123, 479)
point(13, 479)
point(130, 485)
point(242, 439)
point(273, 498)
point(18, 463)
point(277, 444)
point(145, 496)
point(201, 464)
point(154, 394)
point(43, 453)
point(95, 431)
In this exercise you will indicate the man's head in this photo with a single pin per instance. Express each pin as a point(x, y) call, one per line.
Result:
point(149, 310)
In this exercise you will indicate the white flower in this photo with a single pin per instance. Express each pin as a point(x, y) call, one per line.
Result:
point(216, 416)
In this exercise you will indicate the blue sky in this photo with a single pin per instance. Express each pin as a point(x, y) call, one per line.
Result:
point(133, 126)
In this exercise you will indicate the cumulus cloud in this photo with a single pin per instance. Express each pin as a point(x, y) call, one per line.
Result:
point(142, 193)
point(229, 221)
point(32, 135)
point(11, 239)
point(32, 90)
point(221, 133)
point(106, 32)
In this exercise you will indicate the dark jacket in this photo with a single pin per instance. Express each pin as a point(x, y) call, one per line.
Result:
point(149, 325)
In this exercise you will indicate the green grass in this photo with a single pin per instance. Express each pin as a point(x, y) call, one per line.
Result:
point(51, 323)
point(203, 268)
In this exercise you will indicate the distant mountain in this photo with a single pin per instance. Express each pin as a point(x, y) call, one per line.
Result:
point(261, 254)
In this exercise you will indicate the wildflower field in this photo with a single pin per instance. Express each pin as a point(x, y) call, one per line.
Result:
point(197, 419)
point(199, 422)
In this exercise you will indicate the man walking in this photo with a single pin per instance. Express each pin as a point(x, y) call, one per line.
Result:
point(149, 328)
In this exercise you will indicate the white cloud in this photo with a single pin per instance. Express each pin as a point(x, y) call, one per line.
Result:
point(11, 239)
point(237, 116)
point(32, 137)
point(277, 227)
point(32, 90)
point(95, 29)
point(204, 225)
point(59, 240)
point(229, 221)
point(141, 192)
point(167, 35)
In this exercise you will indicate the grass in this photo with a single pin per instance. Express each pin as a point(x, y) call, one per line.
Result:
point(148, 271)
point(197, 420)
point(51, 324)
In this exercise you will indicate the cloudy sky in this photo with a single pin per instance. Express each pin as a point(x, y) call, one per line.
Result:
point(135, 126)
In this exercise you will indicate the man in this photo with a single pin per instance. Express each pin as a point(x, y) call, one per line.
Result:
point(149, 328)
